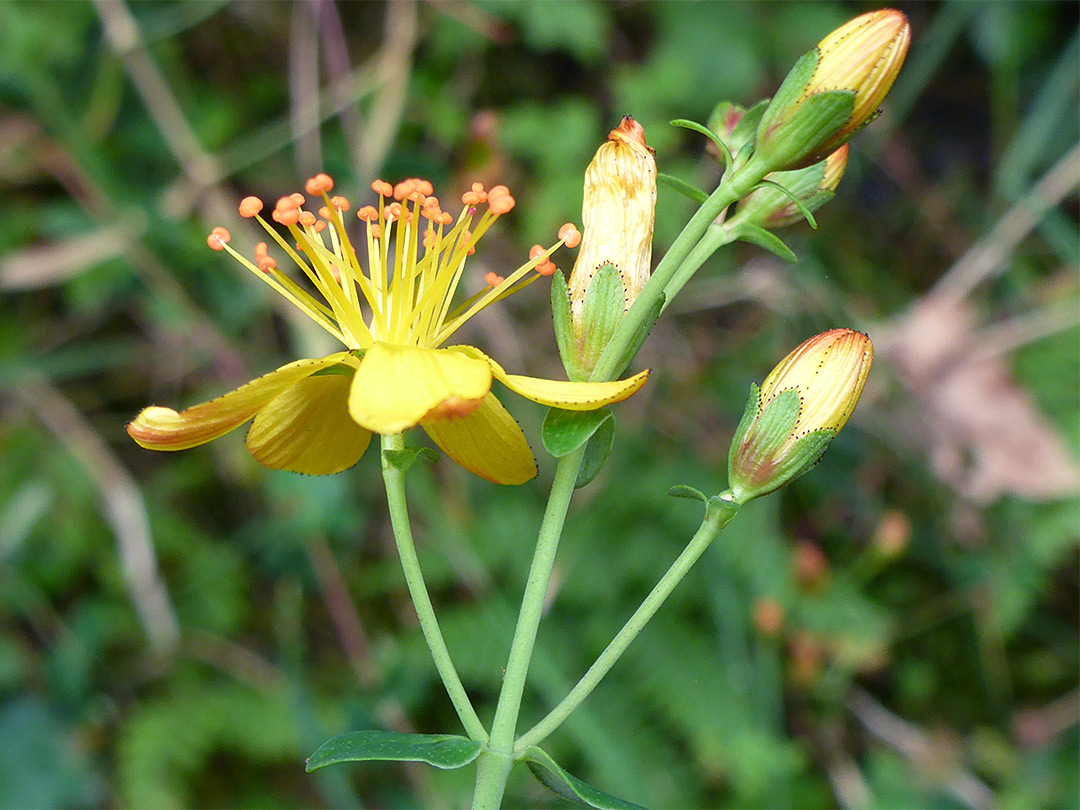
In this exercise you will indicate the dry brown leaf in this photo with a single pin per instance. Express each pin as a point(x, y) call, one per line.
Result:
point(984, 434)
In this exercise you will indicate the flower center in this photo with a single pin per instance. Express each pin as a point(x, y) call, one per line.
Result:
point(416, 257)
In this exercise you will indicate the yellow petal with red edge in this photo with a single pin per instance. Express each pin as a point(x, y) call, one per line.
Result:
point(571, 396)
point(397, 386)
point(159, 428)
point(307, 428)
point(487, 442)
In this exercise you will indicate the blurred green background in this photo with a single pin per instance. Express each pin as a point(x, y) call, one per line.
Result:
point(897, 629)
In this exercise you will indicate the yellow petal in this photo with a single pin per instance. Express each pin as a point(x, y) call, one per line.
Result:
point(487, 442)
point(397, 386)
point(571, 396)
point(159, 428)
point(307, 428)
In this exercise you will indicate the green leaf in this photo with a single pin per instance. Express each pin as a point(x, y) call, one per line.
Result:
point(684, 188)
point(596, 453)
point(684, 491)
point(555, 779)
point(565, 431)
point(404, 459)
point(564, 335)
point(635, 344)
point(765, 239)
point(444, 751)
point(708, 133)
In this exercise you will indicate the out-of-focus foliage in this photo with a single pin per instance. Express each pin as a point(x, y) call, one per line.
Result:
point(898, 628)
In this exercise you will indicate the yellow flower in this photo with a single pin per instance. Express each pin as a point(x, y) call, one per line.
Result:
point(799, 409)
point(394, 319)
point(834, 90)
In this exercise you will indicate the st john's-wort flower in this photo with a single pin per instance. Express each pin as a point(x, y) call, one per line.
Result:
point(394, 318)
point(833, 90)
point(799, 409)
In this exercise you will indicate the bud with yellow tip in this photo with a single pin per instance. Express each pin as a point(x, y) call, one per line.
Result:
point(770, 208)
point(790, 421)
point(616, 248)
point(833, 90)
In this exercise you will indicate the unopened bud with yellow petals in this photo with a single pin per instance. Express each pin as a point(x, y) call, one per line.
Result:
point(771, 208)
point(790, 421)
point(833, 90)
point(616, 248)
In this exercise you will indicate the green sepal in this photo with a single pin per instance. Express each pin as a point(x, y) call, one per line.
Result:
point(638, 340)
point(758, 462)
point(445, 751)
point(338, 369)
point(596, 453)
point(691, 493)
point(765, 239)
point(684, 188)
point(565, 431)
point(708, 133)
point(404, 459)
point(790, 90)
point(554, 778)
point(601, 311)
point(797, 140)
point(564, 335)
point(746, 130)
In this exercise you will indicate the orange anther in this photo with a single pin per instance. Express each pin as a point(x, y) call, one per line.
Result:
point(535, 251)
point(286, 216)
point(501, 204)
point(430, 238)
point(478, 188)
point(570, 235)
point(376, 231)
point(425, 187)
point(340, 203)
point(287, 204)
point(404, 188)
point(319, 226)
point(382, 188)
point(319, 184)
point(267, 263)
point(548, 268)
point(250, 206)
point(493, 279)
point(260, 250)
point(445, 219)
point(471, 198)
point(307, 219)
point(298, 198)
point(497, 191)
point(218, 238)
point(324, 212)
point(430, 202)
point(393, 211)
point(367, 213)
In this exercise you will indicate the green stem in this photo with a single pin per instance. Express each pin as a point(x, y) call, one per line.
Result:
point(715, 238)
point(494, 765)
point(732, 188)
point(410, 564)
point(718, 514)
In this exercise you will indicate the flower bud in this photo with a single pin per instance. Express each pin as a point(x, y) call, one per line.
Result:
point(799, 409)
point(833, 90)
point(813, 186)
point(617, 219)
